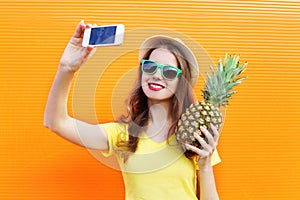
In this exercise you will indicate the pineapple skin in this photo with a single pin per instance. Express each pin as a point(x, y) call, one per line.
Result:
point(197, 114)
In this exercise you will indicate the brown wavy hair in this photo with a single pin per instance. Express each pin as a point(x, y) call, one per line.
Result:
point(137, 104)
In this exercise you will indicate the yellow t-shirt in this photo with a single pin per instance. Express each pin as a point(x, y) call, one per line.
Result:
point(155, 170)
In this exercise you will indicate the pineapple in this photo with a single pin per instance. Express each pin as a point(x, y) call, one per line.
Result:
point(217, 92)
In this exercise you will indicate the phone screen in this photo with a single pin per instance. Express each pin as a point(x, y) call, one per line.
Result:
point(103, 35)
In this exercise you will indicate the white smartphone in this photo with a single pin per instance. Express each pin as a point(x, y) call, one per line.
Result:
point(107, 35)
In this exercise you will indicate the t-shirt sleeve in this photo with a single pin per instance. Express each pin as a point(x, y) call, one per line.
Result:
point(115, 132)
point(215, 158)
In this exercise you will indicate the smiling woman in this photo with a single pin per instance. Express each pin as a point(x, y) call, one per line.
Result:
point(259, 142)
point(155, 105)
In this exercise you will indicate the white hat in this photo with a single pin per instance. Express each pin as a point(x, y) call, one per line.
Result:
point(187, 53)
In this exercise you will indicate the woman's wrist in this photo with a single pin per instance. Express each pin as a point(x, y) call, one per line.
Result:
point(204, 163)
point(66, 68)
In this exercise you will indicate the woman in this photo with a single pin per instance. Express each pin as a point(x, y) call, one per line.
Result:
point(153, 165)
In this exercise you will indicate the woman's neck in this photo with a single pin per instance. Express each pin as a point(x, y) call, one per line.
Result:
point(160, 121)
point(159, 112)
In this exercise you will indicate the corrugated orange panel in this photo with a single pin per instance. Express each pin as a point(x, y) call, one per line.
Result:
point(259, 143)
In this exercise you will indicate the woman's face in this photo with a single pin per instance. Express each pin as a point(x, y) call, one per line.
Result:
point(154, 85)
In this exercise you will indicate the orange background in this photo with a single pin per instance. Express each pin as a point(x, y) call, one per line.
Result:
point(259, 145)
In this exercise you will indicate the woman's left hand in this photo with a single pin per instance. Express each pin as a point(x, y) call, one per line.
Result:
point(207, 147)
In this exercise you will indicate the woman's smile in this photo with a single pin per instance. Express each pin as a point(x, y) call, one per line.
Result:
point(155, 86)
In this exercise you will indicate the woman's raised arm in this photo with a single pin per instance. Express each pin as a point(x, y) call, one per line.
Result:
point(56, 116)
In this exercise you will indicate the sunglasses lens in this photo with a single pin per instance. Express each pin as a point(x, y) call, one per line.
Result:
point(170, 72)
point(149, 67)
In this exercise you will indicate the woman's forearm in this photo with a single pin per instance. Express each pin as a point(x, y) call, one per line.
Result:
point(208, 190)
point(56, 107)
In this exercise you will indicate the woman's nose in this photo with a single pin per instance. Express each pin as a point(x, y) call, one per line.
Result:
point(158, 74)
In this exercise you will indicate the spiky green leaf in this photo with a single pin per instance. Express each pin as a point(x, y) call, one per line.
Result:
point(219, 85)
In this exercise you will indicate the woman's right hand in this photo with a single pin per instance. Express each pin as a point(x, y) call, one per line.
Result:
point(75, 54)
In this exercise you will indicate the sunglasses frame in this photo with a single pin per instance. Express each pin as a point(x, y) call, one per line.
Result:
point(161, 66)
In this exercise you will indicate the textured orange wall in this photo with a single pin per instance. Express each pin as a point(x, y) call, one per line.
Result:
point(259, 145)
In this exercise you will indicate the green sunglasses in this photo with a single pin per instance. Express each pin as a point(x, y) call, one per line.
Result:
point(168, 72)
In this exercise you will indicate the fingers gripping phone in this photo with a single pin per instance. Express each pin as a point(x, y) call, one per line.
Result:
point(108, 35)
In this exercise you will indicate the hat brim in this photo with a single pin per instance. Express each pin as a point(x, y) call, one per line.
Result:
point(187, 53)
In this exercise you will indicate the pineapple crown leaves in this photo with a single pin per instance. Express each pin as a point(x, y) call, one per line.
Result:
point(219, 86)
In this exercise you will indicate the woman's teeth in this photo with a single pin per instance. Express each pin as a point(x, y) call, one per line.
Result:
point(156, 86)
